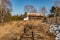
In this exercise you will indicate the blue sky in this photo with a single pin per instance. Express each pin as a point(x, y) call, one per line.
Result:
point(18, 5)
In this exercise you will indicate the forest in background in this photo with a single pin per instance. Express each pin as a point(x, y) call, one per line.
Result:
point(6, 8)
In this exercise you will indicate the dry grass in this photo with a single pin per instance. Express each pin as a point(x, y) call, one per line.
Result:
point(13, 30)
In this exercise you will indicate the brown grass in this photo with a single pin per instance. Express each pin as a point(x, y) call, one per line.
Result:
point(13, 30)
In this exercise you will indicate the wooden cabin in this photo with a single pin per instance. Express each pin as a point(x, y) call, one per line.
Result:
point(35, 16)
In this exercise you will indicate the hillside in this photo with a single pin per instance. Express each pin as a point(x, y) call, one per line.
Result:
point(13, 30)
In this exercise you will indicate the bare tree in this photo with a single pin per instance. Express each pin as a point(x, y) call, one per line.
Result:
point(29, 9)
point(5, 5)
point(33, 10)
point(56, 5)
point(43, 10)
